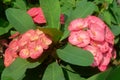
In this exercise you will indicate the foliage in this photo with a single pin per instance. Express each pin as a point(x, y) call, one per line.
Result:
point(61, 61)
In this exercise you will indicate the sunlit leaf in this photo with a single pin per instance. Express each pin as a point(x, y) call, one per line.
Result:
point(53, 72)
point(16, 71)
point(51, 9)
point(74, 55)
point(19, 19)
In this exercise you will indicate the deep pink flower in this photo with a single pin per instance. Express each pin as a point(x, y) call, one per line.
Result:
point(62, 19)
point(79, 38)
point(9, 56)
point(96, 53)
point(37, 15)
point(103, 46)
point(14, 44)
point(104, 63)
point(77, 24)
point(92, 34)
point(14, 35)
point(95, 20)
point(109, 37)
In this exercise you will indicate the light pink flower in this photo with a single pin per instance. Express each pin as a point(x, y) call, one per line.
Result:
point(36, 52)
point(44, 41)
point(79, 38)
point(31, 44)
point(37, 15)
point(77, 24)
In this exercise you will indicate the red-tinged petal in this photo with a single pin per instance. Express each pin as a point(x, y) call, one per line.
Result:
point(34, 11)
point(77, 24)
point(79, 38)
point(62, 19)
point(39, 19)
point(114, 55)
point(14, 44)
point(14, 35)
point(9, 57)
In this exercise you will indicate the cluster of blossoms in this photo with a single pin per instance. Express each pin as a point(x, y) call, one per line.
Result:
point(31, 44)
point(38, 17)
point(92, 34)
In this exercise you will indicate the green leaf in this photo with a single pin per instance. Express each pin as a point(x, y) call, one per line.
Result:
point(84, 9)
point(106, 16)
point(115, 29)
point(75, 55)
point(53, 72)
point(20, 4)
point(53, 33)
point(1, 65)
point(19, 19)
point(4, 27)
point(66, 5)
point(101, 75)
point(114, 74)
point(51, 9)
point(16, 71)
point(74, 76)
point(70, 74)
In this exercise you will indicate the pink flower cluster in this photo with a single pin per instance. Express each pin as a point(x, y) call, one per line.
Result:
point(38, 16)
point(31, 44)
point(92, 34)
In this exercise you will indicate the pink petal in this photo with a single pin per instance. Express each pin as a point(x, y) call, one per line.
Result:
point(96, 33)
point(96, 53)
point(62, 19)
point(39, 19)
point(24, 53)
point(34, 11)
point(77, 24)
point(14, 44)
point(79, 38)
point(36, 52)
point(95, 20)
point(109, 37)
point(9, 57)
